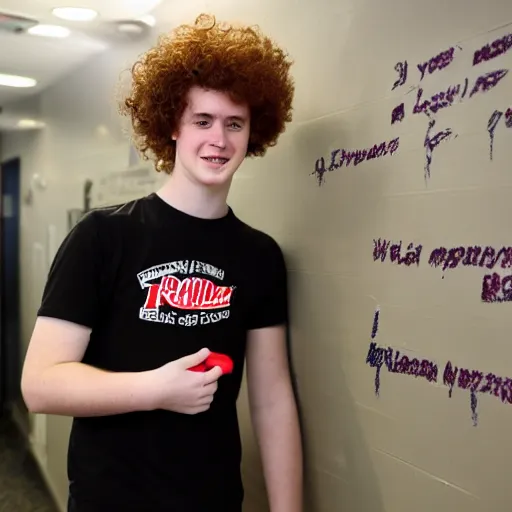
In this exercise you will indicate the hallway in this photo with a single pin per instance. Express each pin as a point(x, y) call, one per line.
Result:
point(21, 486)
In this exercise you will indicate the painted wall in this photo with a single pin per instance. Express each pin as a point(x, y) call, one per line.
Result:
point(389, 196)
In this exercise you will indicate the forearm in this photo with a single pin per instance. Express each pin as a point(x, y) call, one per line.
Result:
point(278, 433)
point(76, 389)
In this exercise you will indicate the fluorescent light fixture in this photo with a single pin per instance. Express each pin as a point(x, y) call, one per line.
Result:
point(129, 28)
point(75, 13)
point(30, 123)
point(49, 31)
point(16, 81)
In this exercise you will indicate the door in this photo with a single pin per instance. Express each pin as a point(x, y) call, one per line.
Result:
point(10, 358)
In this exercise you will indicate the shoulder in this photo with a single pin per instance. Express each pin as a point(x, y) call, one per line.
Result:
point(131, 211)
point(259, 242)
point(104, 230)
point(113, 219)
point(254, 236)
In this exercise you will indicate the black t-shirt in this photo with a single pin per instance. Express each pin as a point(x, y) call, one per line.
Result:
point(156, 284)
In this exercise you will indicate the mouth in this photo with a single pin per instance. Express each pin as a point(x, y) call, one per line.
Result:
point(215, 160)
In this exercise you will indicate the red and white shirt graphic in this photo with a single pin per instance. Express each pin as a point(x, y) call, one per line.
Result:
point(185, 293)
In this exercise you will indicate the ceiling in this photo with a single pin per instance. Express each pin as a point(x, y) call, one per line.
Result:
point(47, 59)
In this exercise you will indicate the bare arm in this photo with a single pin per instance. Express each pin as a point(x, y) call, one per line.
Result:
point(275, 419)
point(54, 381)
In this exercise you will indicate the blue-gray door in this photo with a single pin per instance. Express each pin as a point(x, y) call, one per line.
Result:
point(10, 284)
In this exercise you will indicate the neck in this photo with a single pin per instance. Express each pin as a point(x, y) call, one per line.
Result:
point(193, 198)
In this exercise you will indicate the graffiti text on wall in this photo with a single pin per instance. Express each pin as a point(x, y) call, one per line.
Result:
point(495, 288)
point(441, 61)
point(449, 96)
point(431, 105)
point(494, 122)
point(495, 49)
point(344, 157)
point(431, 143)
point(474, 381)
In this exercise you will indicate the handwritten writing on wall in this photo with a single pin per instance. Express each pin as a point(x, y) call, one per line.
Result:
point(491, 128)
point(474, 381)
point(398, 114)
point(440, 100)
point(493, 123)
point(401, 68)
point(436, 63)
point(445, 99)
point(495, 288)
point(455, 93)
point(431, 143)
point(340, 157)
point(493, 50)
point(508, 118)
point(431, 106)
point(488, 81)
point(441, 61)
point(377, 357)
point(477, 382)
point(474, 255)
point(383, 247)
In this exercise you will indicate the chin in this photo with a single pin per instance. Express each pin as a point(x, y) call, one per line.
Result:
point(215, 177)
point(210, 179)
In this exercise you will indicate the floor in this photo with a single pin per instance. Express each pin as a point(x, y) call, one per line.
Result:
point(21, 486)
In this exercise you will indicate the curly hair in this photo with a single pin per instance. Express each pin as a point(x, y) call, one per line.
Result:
point(239, 61)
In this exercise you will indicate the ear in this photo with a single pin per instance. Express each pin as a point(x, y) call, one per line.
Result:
point(175, 135)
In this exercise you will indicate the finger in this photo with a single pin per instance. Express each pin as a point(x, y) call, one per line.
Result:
point(206, 401)
point(208, 391)
point(212, 375)
point(199, 409)
point(195, 359)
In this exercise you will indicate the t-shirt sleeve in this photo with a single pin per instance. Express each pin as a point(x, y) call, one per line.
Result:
point(72, 290)
point(269, 304)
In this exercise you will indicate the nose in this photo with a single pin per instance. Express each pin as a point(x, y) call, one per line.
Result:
point(218, 134)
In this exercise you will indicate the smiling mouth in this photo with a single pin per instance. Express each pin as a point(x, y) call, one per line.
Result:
point(217, 160)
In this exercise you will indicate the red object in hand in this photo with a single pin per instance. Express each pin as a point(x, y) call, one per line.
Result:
point(214, 359)
point(199, 368)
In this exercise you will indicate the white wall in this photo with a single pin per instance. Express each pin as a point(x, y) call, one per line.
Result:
point(413, 447)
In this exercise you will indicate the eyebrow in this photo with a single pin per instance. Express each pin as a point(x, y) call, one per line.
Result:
point(210, 116)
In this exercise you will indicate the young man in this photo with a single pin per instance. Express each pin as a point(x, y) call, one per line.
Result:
point(140, 293)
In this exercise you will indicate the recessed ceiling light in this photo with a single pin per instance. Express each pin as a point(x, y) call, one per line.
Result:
point(49, 31)
point(75, 13)
point(129, 27)
point(16, 81)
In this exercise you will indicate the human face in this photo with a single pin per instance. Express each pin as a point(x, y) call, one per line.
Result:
point(212, 139)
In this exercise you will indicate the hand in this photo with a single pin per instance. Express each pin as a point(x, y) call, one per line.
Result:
point(180, 390)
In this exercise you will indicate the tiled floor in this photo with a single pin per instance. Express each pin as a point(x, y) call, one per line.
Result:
point(21, 486)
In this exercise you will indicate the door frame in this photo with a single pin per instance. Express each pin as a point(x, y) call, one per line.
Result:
point(10, 347)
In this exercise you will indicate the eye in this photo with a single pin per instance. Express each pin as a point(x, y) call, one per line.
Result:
point(202, 123)
point(235, 126)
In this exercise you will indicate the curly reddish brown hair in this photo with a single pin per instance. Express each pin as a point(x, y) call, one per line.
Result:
point(240, 61)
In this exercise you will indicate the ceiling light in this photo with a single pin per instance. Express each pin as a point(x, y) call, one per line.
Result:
point(30, 123)
point(129, 27)
point(16, 81)
point(75, 13)
point(49, 31)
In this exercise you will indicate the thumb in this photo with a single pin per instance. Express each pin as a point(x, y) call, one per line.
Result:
point(194, 359)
